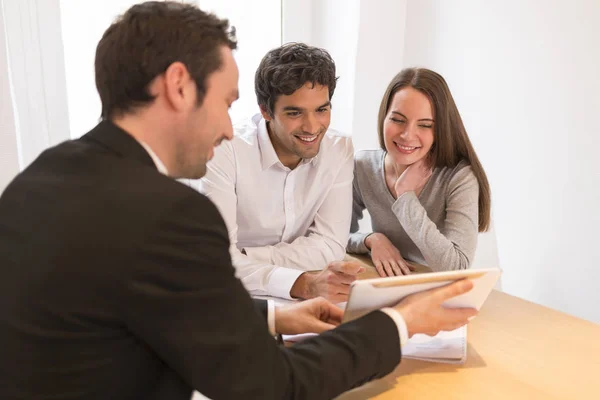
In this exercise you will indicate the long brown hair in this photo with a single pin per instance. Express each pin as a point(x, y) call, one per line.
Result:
point(451, 143)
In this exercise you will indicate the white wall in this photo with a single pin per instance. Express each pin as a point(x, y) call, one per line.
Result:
point(318, 23)
point(380, 57)
point(83, 23)
point(9, 154)
point(355, 41)
point(525, 77)
point(258, 26)
point(36, 74)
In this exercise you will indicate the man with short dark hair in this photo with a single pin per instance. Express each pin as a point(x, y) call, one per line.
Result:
point(116, 279)
point(284, 183)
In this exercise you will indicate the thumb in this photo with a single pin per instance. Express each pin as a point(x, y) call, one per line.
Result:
point(327, 311)
point(454, 289)
point(347, 267)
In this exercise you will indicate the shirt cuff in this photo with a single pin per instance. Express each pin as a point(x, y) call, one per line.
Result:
point(400, 323)
point(271, 317)
point(281, 281)
point(357, 241)
point(259, 254)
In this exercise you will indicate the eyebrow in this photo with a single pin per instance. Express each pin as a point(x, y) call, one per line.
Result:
point(294, 108)
point(420, 120)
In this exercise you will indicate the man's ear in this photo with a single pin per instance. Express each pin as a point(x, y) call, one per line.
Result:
point(265, 114)
point(177, 86)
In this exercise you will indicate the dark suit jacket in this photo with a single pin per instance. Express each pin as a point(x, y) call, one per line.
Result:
point(117, 284)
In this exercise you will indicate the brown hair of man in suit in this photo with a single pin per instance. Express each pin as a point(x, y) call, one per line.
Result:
point(166, 74)
point(149, 37)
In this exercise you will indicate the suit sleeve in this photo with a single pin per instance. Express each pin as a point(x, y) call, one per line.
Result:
point(184, 301)
point(262, 307)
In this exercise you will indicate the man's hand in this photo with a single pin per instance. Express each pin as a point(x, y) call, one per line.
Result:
point(414, 178)
point(310, 316)
point(333, 282)
point(423, 312)
point(387, 259)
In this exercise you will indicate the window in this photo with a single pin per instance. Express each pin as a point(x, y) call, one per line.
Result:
point(258, 26)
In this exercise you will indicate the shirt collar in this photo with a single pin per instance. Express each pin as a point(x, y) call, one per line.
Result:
point(159, 164)
point(268, 156)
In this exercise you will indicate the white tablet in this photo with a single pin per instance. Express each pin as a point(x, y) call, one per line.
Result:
point(372, 294)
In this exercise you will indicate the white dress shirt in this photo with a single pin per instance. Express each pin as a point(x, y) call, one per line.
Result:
point(395, 315)
point(286, 221)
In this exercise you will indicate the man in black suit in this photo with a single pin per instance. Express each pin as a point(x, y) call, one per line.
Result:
point(116, 279)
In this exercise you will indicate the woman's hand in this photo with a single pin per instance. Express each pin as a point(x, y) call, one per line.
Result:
point(414, 178)
point(385, 256)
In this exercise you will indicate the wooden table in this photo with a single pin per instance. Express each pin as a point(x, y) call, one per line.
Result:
point(516, 350)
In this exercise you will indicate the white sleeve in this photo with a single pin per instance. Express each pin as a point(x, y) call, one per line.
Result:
point(259, 277)
point(400, 323)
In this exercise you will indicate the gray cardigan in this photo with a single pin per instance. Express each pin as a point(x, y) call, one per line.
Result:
point(438, 229)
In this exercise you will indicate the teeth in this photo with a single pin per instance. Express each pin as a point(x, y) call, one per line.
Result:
point(306, 139)
point(406, 147)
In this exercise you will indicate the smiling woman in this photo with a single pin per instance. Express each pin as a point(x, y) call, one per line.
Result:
point(408, 129)
point(425, 189)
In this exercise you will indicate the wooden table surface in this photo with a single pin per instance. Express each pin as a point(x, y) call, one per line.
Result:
point(516, 350)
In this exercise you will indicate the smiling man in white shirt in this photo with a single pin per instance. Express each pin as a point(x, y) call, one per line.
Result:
point(284, 183)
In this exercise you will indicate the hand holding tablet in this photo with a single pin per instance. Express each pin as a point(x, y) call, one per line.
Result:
point(428, 310)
